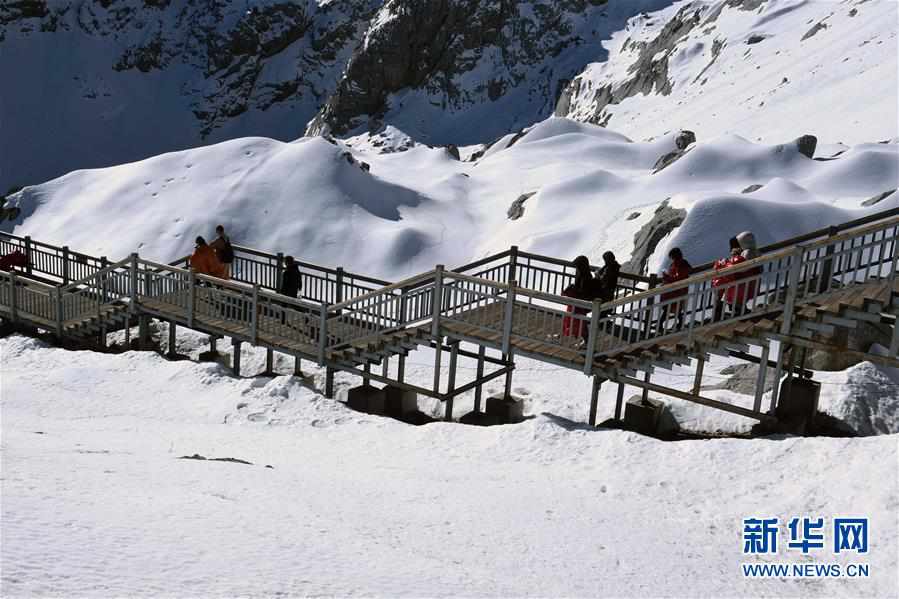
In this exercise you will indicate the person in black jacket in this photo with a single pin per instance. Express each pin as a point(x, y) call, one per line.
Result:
point(291, 283)
point(607, 278)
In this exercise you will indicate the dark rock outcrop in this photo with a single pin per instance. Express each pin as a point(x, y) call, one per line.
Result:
point(807, 145)
point(878, 198)
point(516, 210)
point(663, 222)
point(752, 188)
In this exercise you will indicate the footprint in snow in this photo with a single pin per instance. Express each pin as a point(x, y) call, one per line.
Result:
point(257, 417)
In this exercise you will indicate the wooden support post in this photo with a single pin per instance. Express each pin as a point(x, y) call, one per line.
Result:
point(338, 290)
point(508, 390)
point(401, 369)
point(385, 366)
point(451, 381)
point(619, 401)
point(480, 374)
point(269, 362)
point(792, 289)
point(329, 382)
point(438, 353)
point(646, 377)
point(297, 366)
point(173, 331)
point(594, 399)
point(697, 380)
point(366, 369)
point(513, 264)
point(236, 343)
point(212, 344)
point(760, 380)
point(778, 371)
point(143, 331)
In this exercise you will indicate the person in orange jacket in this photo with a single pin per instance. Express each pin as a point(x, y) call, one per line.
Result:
point(205, 262)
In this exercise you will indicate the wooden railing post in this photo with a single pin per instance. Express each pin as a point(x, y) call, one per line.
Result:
point(895, 263)
point(513, 264)
point(338, 291)
point(191, 297)
point(507, 317)
point(792, 289)
point(322, 333)
point(591, 337)
point(827, 265)
point(103, 264)
point(650, 302)
point(279, 272)
point(254, 316)
point(65, 265)
point(59, 319)
point(28, 254)
point(13, 304)
point(437, 301)
point(133, 294)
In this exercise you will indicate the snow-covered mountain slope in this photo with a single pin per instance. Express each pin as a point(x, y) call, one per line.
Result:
point(98, 82)
point(101, 82)
point(756, 68)
point(96, 501)
point(420, 207)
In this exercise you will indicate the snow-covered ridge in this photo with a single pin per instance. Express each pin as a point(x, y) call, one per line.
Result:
point(756, 68)
point(405, 210)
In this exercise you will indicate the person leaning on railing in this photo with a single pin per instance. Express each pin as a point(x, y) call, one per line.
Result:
point(678, 270)
point(204, 260)
point(582, 289)
point(735, 295)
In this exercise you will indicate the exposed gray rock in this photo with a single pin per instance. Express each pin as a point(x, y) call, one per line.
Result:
point(752, 188)
point(633, 215)
point(516, 210)
point(878, 198)
point(743, 378)
point(818, 27)
point(663, 222)
point(754, 39)
point(807, 145)
point(430, 45)
point(668, 159)
point(684, 139)
point(648, 74)
point(453, 151)
point(860, 339)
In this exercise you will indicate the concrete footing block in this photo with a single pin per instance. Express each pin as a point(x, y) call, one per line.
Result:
point(479, 419)
point(507, 410)
point(651, 417)
point(366, 398)
point(399, 401)
point(797, 405)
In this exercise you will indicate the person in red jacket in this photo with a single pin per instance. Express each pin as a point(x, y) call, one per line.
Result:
point(730, 290)
point(678, 270)
point(582, 289)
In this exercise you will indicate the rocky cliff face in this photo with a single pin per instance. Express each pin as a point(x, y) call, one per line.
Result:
point(466, 71)
point(191, 71)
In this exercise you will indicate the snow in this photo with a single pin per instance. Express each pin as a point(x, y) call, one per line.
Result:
point(97, 503)
point(782, 83)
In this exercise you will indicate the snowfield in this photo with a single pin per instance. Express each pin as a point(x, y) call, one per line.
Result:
point(97, 503)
